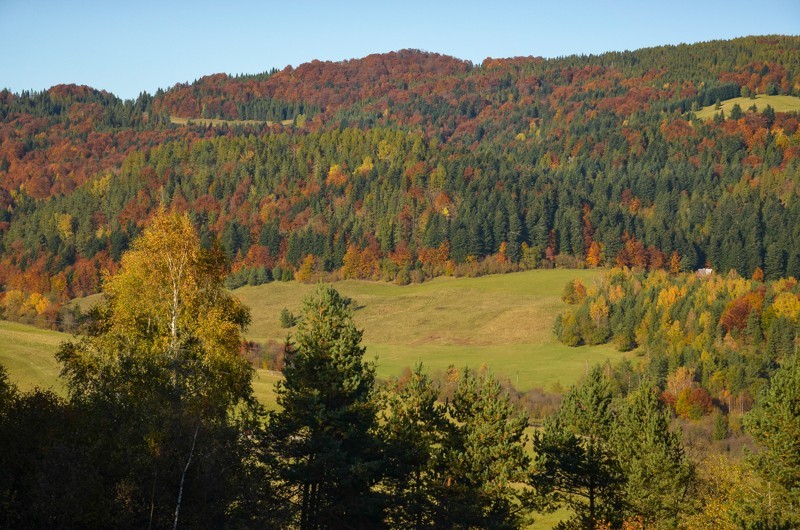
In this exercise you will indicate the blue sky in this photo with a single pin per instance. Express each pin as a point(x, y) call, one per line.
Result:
point(128, 47)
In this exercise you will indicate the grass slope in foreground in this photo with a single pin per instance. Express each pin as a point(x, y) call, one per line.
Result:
point(28, 354)
point(503, 321)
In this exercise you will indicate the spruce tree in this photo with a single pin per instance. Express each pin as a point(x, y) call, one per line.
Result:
point(574, 462)
point(324, 436)
point(415, 428)
point(657, 472)
point(774, 423)
point(485, 458)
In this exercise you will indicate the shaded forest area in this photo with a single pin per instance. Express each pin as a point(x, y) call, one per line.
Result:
point(408, 165)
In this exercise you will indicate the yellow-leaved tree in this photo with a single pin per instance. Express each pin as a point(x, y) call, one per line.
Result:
point(159, 363)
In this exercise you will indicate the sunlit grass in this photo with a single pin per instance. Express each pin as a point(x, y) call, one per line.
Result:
point(28, 353)
point(504, 322)
point(778, 104)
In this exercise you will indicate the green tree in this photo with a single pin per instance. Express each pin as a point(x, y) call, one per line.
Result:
point(657, 472)
point(46, 476)
point(324, 437)
point(485, 458)
point(415, 428)
point(574, 461)
point(774, 423)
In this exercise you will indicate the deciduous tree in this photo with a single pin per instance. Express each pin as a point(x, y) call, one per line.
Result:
point(159, 371)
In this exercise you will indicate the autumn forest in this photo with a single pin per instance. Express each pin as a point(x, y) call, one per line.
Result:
point(674, 171)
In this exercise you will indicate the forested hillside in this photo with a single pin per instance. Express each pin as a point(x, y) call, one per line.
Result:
point(411, 164)
point(161, 427)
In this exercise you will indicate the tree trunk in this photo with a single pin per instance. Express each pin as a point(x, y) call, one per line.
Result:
point(183, 477)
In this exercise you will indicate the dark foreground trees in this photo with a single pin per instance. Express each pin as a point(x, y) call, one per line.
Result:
point(426, 464)
point(159, 398)
point(324, 437)
point(611, 460)
point(775, 425)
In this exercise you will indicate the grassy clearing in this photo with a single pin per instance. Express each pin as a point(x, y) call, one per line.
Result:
point(264, 388)
point(778, 103)
point(549, 520)
point(87, 302)
point(502, 321)
point(28, 354)
point(214, 122)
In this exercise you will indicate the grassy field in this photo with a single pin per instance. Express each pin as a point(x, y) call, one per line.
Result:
point(217, 122)
point(778, 103)
point(502, 321)
point(29, 355)
point(547, 521)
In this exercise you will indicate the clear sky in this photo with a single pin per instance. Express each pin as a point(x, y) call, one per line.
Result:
point(127, 47)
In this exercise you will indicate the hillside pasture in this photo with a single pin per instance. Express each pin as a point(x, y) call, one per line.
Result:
point(778, 104)
point(504, 322)
point(28, 353)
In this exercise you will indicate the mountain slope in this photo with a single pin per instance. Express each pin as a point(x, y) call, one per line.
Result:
point(405, 165)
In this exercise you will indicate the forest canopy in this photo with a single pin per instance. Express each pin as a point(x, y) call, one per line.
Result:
point(410, 164)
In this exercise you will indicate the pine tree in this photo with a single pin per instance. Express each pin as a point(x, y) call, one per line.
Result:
point(775, 425)
point(574, 463)
point(657, 472)
point(485, 458)
point(415, 428)
point(324, 438)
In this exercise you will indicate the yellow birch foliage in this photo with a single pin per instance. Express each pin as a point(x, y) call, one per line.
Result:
point(168, 293)
point(786, 305)
point(598, 310)
point(161, 359)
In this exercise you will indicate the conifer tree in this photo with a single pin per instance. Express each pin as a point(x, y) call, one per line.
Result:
point(574, 461)
point(415, 428)
point(775, 425)
point(651, 458)
point(324, 437)
point(485, 458)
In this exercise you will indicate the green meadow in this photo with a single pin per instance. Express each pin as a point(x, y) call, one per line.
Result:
point(778, 104)
point(28, 355)
point(503, 322)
